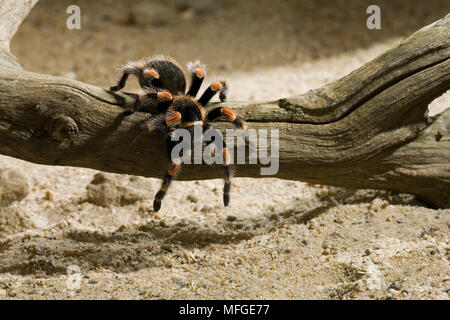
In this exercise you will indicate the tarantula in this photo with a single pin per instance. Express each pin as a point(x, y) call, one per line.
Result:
point(164, 89)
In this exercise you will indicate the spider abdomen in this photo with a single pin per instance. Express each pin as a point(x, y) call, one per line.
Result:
point(170, 75)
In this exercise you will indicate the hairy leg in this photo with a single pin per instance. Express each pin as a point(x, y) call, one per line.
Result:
point(198, 73)
point(237, 121)
point(220, 145)
point(212, 90)
point(174, 167)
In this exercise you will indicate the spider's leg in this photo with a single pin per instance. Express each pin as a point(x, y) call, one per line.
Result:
point(161, 100)
point(121, 84)
point(198, 73)
point(226, 174)
point(174, 167)
point(223, 92)
point(212, 90)
point(173, 119)
point(152, 99)
point(150, 77)
point(163, 122)
point(237, 121)
point(146, 76)
point(221, 145)
point(227, 178)
point(127, 69)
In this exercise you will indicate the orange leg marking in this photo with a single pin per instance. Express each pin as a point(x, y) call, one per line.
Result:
point(199, 72)
point(173, 118)
point(226, 156)
point(151, 73)
point(173, 168)
point(229, 114)
point(164, 96)
point(216, 86)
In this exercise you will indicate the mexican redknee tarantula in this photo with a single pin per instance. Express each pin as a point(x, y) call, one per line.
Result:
point(164, 89)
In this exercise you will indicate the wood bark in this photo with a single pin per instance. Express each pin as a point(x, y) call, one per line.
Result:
point(369, 129)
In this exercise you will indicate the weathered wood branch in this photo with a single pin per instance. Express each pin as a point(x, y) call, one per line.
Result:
point(367, 130)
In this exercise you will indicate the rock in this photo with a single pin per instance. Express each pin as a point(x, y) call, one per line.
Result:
point(13, 186)
point(378, 205)
point(108, 189)
point(207, 209)
point(49, 196)
point(151, 13)
point(395, 286)
point(192, 198)
point(273, 216)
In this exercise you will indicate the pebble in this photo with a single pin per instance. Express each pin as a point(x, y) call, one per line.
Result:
point(49, 196)
point(273, 216)
point(378, 204)
point(395, 285)
point(108, 189)
point(206, 209)
point(192, 198)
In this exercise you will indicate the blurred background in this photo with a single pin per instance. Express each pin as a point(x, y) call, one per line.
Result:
point(249, 41)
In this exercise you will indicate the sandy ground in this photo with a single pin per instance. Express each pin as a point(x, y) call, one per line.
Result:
point(279, 239)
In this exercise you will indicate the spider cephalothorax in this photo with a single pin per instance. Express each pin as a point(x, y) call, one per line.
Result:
point(164, 89)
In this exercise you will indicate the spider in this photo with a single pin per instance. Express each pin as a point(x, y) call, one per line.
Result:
point(164, 89)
